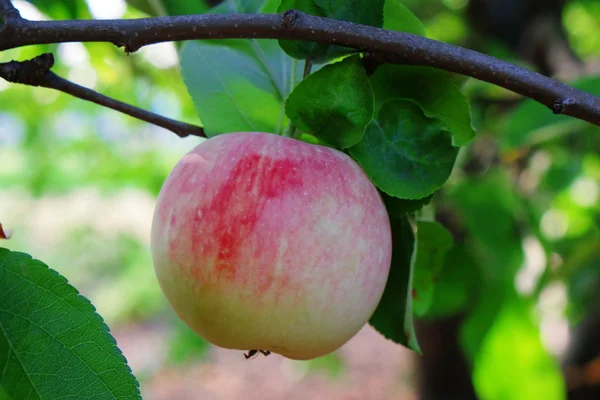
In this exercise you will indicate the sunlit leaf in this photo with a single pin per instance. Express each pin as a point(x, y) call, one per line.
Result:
point(239, 85)
point(230, 90)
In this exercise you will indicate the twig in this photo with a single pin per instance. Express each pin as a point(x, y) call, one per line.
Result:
point(36, 72)
point(398, 47)
point(307, 68)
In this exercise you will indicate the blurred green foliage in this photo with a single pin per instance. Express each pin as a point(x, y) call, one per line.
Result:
point(186, 345)
point(332, 364)
point(527, 370)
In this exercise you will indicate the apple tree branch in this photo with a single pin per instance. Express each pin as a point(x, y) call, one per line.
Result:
point(390, 46)
point(36, 72)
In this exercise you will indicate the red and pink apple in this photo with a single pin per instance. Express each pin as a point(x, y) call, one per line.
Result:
point(266, 242)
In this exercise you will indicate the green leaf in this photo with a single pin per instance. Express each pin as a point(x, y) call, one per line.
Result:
point(397, 17)
point(335, 104)
point(434, 241)
point(399, 207)
point(367, 12)
point(433, 89)
point(513, 354)
point(53, 344)
point(405, 153)
point(393, 317)
point(239, 85)
point(231, 91)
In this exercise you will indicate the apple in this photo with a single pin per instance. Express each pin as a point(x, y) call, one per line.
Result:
point(265, 242)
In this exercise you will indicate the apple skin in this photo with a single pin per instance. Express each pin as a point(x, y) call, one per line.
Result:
point(265, 242)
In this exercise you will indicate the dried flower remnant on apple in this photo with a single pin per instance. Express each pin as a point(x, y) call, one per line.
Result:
point(265, 242)
point(252, 353)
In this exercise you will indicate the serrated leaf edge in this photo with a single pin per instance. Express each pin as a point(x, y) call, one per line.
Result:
point(86, 304)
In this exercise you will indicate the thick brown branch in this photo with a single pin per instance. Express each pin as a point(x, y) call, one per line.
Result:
point(397, 47)
point(36, 72)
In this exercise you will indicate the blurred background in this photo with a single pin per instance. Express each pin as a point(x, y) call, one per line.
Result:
point(516, 312)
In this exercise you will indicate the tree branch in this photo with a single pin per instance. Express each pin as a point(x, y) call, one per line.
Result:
point(397, 47)
point(36, 72)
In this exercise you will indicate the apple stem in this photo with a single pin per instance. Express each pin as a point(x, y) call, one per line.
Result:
point(291, 131)
point(307, 68)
